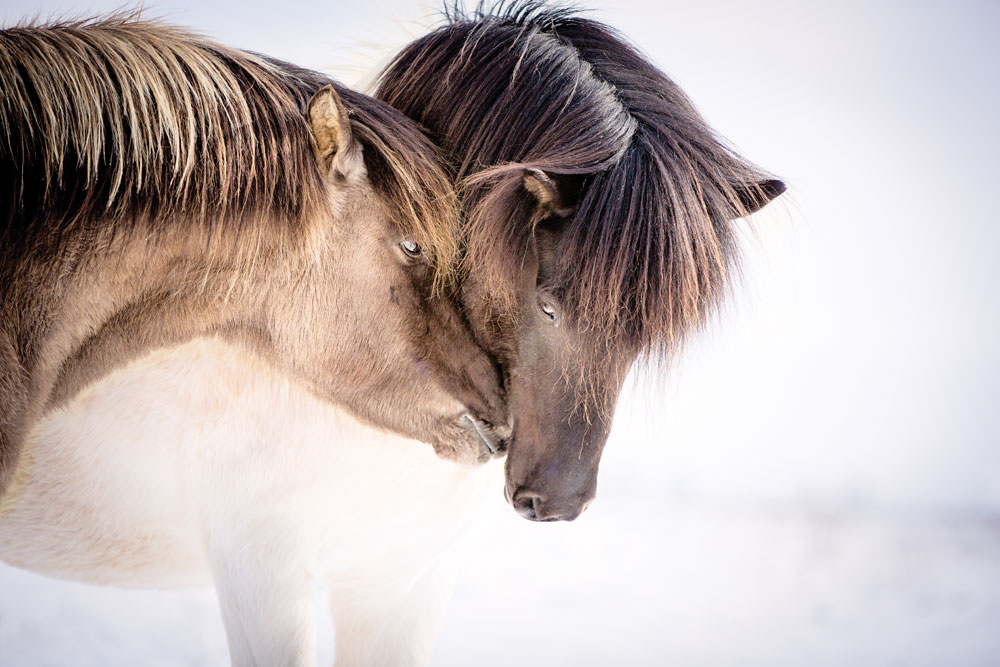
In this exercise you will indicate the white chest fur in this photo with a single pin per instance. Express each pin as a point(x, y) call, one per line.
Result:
point(200, 465)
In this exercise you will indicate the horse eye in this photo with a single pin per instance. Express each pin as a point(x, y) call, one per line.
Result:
point(548, 308)
point(411, 248)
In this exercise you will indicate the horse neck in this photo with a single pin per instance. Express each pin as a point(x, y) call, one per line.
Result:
point(144, 295)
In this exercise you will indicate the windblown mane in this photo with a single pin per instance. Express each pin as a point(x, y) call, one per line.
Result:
point(650, 249)
point(117, 124)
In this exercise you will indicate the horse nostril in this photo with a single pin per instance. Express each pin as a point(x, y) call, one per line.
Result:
point(525, 505)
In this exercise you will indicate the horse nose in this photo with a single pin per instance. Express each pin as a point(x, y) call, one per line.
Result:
point(535, 507)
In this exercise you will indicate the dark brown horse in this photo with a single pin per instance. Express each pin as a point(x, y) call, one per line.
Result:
point(156, 187)
point(600, 214)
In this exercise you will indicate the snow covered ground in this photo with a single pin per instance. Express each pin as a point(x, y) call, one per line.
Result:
point(691, 585)
point(633, 582)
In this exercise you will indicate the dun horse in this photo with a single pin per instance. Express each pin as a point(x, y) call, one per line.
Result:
point(161, 189)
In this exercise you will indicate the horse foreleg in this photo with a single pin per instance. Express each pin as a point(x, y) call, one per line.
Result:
point(267, 598)
point(389, 625)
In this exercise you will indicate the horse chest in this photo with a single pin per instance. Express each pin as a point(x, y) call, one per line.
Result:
point(199, 450)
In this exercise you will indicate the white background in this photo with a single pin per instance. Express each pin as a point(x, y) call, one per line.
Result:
point(818, 480)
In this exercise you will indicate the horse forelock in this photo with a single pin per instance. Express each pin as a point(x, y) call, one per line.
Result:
point(650, 251)
point(112, 123)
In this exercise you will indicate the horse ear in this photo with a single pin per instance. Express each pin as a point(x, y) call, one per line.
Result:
point(332, 140)
point(546, 193)
point(756, 197)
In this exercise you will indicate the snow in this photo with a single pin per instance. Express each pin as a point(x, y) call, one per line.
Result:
point(699, 585)
point(667, 582)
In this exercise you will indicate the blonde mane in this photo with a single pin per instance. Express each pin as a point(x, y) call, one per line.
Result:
point(116, 124)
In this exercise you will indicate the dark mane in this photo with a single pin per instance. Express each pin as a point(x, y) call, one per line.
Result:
point(111, 124)
point(650, 249)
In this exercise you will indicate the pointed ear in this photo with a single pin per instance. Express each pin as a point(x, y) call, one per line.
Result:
point(757, 197)
point(550, 201)
point(333, 142)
